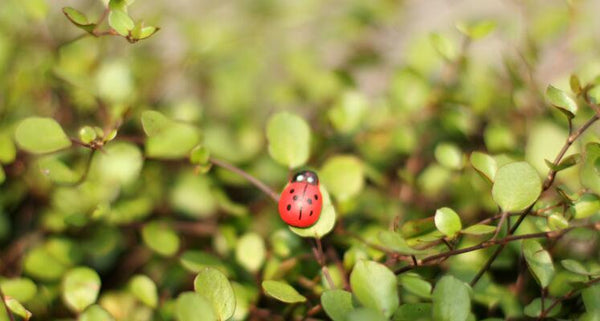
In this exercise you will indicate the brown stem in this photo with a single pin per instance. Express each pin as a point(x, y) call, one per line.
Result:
point(547, 183)
point(320, 257)
point(490, 243)
point(256, 182)
point(565, 297)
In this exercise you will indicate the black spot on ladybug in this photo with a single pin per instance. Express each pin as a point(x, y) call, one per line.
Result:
point(291, 191)
point(309, 201)
point(316, 197)
point(300, 217)
point(310, 212)
point(295, 197)
point(289, 207)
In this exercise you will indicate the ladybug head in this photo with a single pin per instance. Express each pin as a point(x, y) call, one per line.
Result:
point(306, 176)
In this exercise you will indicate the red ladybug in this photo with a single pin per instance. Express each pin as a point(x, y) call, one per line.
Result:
point(301, 202)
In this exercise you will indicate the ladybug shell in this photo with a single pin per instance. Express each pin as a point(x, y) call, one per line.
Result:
point(300, 204)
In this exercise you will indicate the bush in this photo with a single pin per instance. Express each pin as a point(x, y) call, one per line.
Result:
point(458, 165)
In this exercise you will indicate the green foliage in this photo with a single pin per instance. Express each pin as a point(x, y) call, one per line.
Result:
point(282, 291)
point(375, 286)
point(451, 300)
point(539, 262)
point(289, 139)
point(80, 288)
point(447, 221)
point(41, 135)
point(214, 286)
point(337, 304)
point(516, 186)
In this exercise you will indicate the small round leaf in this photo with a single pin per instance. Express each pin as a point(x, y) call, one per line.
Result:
point(160, 238)
point(539, 262)
point(447, 221)
point(516, 186)
point(337, 304)
point(250, 251)
point(562, 101)
point(282, 291)
point(289, 139)
point(451, 300)
point(191, 306)
point(375, 286)
point(95, 313)
point(144, 290)
point(80, 288)
point(41, 135)
point(214, 287)
point(343, 176)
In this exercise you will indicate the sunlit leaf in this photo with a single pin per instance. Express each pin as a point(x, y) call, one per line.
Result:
point(447, 221)
point(95, 313)
point(144, 290)
point(375, 286)
point(562, 101)
point(81, 286)
point(479, 229)
point(485, 165)
point(161, 238)
point(120, 21)
point(415, 284)
point(539, 262)
point(585, 206)
point(449, 156)
point(191, 306)
point(343, 175)
point(250, 251)
point(41, 135)
point(516, 186)
point(337, 304)
point(21, 289)
point(289, 139)
point(214, 286)
point(451, 300)
point(476, 30)
point(17, 308)
point(282, 291)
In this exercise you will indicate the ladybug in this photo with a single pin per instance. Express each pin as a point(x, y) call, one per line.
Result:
point(300, 202)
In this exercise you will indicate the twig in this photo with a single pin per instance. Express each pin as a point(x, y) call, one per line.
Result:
point(490, 243)
point(256, 182)
point(3, 297)
point(547, 183)
point(320, 257)
point(565, 297)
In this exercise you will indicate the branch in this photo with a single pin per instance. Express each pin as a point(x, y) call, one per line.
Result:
point(565, 297)
point(256, 182)
point(320, 257)
point(547, 183)
point(490, 243)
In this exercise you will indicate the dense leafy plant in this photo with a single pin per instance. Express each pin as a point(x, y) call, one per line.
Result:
point(140, 182)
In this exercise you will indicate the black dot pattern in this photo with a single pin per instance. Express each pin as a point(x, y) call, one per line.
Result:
point(316, 197)
point(295, 197)
point(309, 201)
point(289, 207)
point(292, 190)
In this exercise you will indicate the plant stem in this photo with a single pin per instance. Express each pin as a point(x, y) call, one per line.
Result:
point(320, 257)
point(490, 243)
point(547, 183)
point(256, 182)
point(10, 315)
point(565, 297)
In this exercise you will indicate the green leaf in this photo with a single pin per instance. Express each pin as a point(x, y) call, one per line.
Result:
point(413, 312)
point(87, 134)
point(343, 175)
point(444, 46)
point(591, 299)
point(199, 155)
point(557, 222)
point(120, 21)
point(21, 289)
point(326, 221)
point(589, 173)
point(119, 163)
point(8, 151)
point(562, 101)
point(395, 242)
point(348, 113)
point(575, 84)
point(195, 261)
point(282, 291)
point(337, 304)
point(147, 32)
point(41, 135)
point(479, 229)
point(250, 251)
point(449, 156)
point(56, 170)
point(447, 221)
point(78, 19)
point(144, 289)
point(160, 238)
point(95, 313)
point(80, 288)
point(42, 265)
point(413, 283)
point(175, 140)
point(539, 262)
point(575, 267)
point(567, 162)
point(17, 308)
point(534, 308)
point(214, 287)
point(485, 165)
point(451, 300)
point(365, 314)
point(587, 205)
point(375, 286)
point(476, 30)
point(516, 186)
point(191, 306)
point(289, 139)
point(154, 122)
